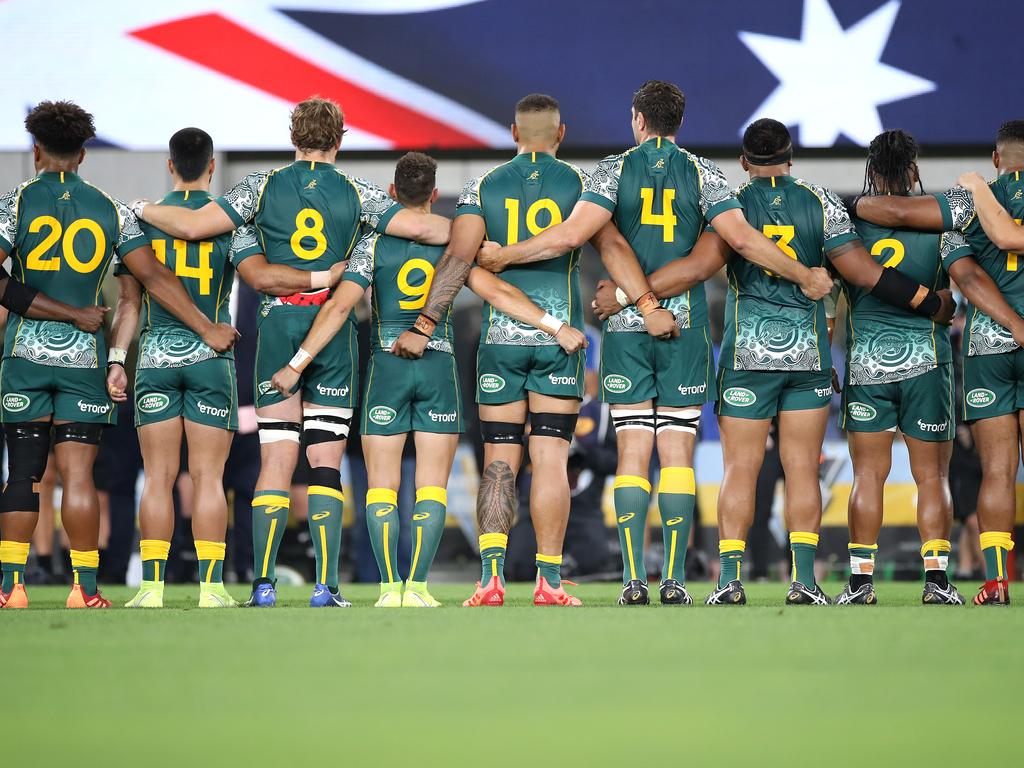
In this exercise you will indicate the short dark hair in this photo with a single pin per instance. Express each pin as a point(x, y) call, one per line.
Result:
point(537, 102)
point(766, 138)
point(415, 175)
point(191, 151)
point(1012, 131)
point(892, 158)
point(662, 105)
point(60, 127)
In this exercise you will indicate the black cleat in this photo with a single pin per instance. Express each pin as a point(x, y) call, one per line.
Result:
point(863, 595)
point(731, 594)
point(801, 595)
point(674, 593)
point(934, 594)
point(635, 593)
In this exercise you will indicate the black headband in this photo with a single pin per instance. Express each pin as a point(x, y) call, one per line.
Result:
point(777, 159)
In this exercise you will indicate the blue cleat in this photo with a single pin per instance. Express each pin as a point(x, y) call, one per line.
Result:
point(323, 598)
point(263, 594)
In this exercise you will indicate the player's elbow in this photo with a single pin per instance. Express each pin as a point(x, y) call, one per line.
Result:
point(568, 237)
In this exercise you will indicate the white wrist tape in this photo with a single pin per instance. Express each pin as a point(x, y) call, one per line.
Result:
point(551, 324)
point(300, 360)
point(320, 279)
point(117, 355)
point(137, 206)
point(621, 297)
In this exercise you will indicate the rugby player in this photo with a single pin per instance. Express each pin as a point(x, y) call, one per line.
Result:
point(63, 235)
point(410, 395)
point(994, 363)
point(305, 215)
point(660, 196)
point(521, 369)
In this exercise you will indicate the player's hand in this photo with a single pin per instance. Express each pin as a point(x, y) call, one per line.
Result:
point(570, 339)
point(410, 345)
point(117, 383)
point(605, 304)
point(284, 381)
point(488, 256)
point(972, 181)
point(944, 315)
point(138, 205)
point(90, 319)
point(661, 324)
point(221, 337)
point(818, 284)
point(337, 272)
point(836, 386)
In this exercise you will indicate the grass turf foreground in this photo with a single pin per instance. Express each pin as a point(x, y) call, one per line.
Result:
point(899, 683)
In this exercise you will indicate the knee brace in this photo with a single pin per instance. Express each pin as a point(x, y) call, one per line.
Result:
point(28, 446)
point(629, 419)
point(686, 420)
point(272, 431)
point(324, 477)
point(502, 432)
point(78, 432)
point(561, 425)
point(323, 424)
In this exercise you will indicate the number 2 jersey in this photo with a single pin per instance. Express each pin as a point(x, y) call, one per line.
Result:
point(62, 235)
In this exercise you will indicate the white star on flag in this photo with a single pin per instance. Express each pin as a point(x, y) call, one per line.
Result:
point(831, 80)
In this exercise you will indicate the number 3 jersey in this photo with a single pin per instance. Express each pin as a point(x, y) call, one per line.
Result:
point(769, 324)
point(400, 272)
point(63, 234)
point(517, 200)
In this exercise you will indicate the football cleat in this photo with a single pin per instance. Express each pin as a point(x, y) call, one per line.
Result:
point(150, 595)
point(215, 596)
point(863, 595)
point(934, 594)
point(322, 597)
point(16, 598)
point(545, 594)
point(390, 595)
point(417, 596)
point(674, 593)
point(490, 595)
point(799, 594)
point(78, 599)
point(263, 594)
point(731, 594)
point(634, 592)
point(993, 592)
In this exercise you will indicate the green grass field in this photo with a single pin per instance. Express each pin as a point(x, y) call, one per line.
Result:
point(602, 685)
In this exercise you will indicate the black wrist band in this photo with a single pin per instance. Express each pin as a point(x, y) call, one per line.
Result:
point(418, 332)
point(850, 202)
point(930, 305)
point(18, 297)
point(901, 291)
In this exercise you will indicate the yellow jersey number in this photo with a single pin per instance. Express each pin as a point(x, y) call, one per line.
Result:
point(889, 244)
point(1011, 258)
point(532, 214)
point(417, 293)
point(782, 235)
point(666, 219)
point(37, 258)
point(203, 273)
point(309, 223)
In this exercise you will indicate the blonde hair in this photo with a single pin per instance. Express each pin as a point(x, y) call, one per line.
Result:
point(317, 124)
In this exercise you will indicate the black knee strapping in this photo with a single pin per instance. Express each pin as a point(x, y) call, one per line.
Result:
point(561, 425)
point(686, 420)
point(325, 476)
point(322, 424)
point(78, 432)
point(642, 419)
point(502, 432)
point(28, 446)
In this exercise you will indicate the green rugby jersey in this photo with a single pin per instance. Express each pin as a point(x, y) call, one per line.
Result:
point(984, 335)
point(63, 234)
point(306, 215)
point(769, 324)
point(400, 272)
point(517, 200)
point(661, 196)
point(886, 343)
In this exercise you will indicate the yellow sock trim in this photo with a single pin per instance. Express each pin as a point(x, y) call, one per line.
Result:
point(872, 547)
point(266, 552)
point(803, 537)
point(492, 540)
point(677, 480)
point(14, 552)
point(387, 553)
point(272, 501)
point(85, 559)
point(935, 546)
point(432, 493)
point(629, 554)
point(996, 539)
point(731, 545)
point(210, 550)
point(325, 490)
point(550, 559)
point(632, 481)
point(416, 550)
point(382, 496)
point(154, 549)
point(323, 553)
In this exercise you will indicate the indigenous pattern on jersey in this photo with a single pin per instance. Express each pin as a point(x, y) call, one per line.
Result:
point(63, 234)
point(306, 215)
point(400, 272)
point(769, 324)
point(661, 196)
point(984, 335)
point(517, 200)
point(886, 343)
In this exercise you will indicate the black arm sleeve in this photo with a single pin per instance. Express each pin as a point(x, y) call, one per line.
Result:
point(899, 290)
point(17, 297)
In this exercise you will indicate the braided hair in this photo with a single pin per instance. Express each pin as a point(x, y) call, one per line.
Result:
point(892, 158)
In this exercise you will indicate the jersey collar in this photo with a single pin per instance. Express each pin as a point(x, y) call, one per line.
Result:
point(180, 196)
point(59, 177)
point(657, 142)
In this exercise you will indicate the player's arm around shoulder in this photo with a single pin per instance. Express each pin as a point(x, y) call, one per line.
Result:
point(126, 319)
point(977, 285)
point(1005, 233)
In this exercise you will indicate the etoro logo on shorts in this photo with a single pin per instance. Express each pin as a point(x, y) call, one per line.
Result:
point(153, 403)
point(491, 382)
point(96, 408)
point(381, 415)
point(741, 397)
point(332, 391)
point(613, 382)
point(976, 398)
point(861, 411)
point(209, 410)
point(16, 402)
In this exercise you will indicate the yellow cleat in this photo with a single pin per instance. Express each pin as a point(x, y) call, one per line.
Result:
point(215, 596)
point(150, 595)
point(390, 595)
point(417, 596)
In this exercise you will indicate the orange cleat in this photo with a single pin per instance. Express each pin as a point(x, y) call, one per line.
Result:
point(993, 592)
point(78, 599)
point(492, 595)
point(16, 598)
point(545, 594)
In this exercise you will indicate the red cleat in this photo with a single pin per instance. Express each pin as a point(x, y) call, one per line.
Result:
point(78, 599)
point(993, 592)
point(545, 594)
point(16, 598)
point(490, 595)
